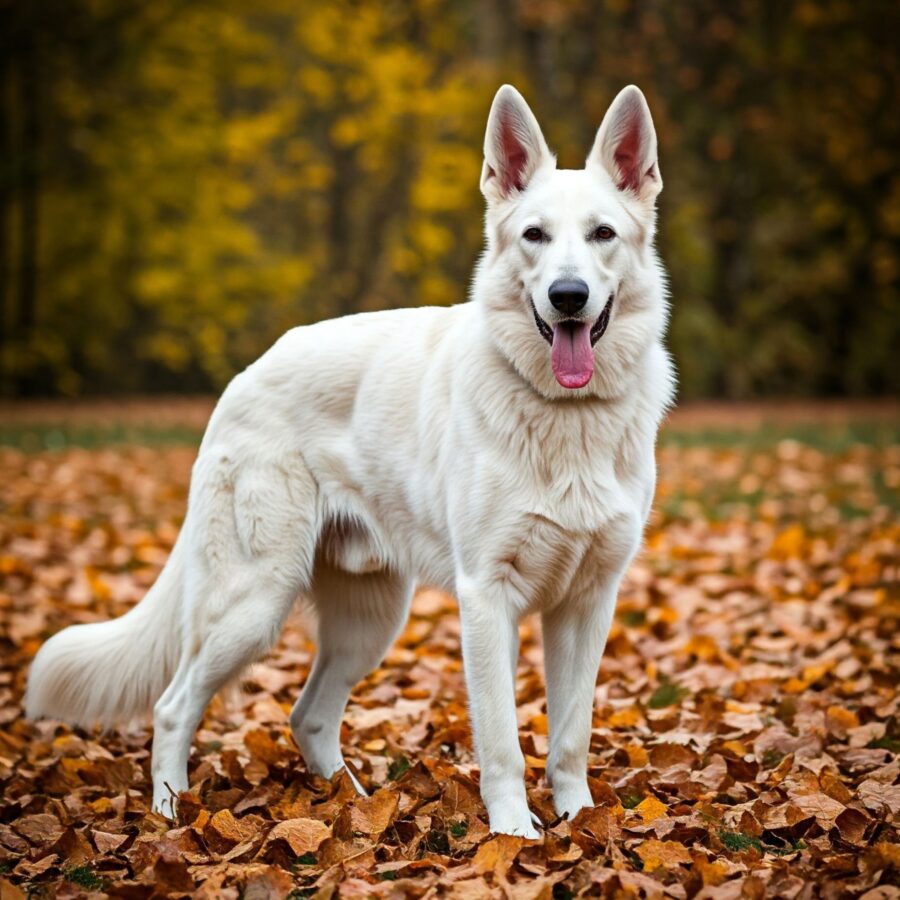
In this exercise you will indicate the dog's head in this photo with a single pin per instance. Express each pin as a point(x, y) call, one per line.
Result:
point(573, 288)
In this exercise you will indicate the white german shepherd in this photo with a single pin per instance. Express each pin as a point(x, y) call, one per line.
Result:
point(501, 449)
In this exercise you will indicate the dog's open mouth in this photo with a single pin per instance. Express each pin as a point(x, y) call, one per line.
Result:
point(572, 346)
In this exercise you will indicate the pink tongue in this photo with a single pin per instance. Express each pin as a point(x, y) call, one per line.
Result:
point(572, 355)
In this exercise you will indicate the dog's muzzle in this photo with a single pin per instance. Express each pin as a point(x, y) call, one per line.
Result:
point(572, 340)
point(598, 329)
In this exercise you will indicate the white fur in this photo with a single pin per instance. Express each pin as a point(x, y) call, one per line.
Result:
point(362, 456)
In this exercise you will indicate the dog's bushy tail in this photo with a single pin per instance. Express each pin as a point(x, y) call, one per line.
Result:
point(110, 672)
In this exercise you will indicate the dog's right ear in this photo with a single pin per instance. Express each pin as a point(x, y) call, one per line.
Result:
point(514, 147)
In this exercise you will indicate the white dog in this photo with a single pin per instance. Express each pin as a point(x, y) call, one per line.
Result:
point(501, 449)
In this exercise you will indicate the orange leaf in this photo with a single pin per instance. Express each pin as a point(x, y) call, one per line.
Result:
point(497, 855)
point(301, 835)
point(650, 809)
point(624, 718)
point(662, 854)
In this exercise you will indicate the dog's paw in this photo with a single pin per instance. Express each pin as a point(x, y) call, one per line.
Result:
point(511, 820)
point(568, 801)
point(165, 806)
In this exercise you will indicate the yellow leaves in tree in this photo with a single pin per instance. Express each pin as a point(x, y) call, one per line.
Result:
point(446, 178)
point(347, 131)
point(248, 136)
point(431, 240)
point(437, 290)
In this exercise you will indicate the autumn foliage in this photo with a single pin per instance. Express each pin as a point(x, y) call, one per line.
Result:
point(182, 181)
point(746, 728)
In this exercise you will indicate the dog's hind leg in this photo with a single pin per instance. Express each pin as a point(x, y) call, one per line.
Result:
point(359, 618)
point(256, 611)
point(249, 562)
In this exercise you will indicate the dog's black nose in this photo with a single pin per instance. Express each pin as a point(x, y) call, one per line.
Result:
point(569, 295)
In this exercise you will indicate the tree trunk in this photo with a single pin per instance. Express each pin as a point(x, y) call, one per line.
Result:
point(29, 93)
point(6, 182)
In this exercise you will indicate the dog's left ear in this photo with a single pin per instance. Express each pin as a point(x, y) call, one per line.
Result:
point(625, 146)
point(514, 146)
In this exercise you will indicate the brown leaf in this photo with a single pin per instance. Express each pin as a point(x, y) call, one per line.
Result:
point(10, 891)
point(106, 842)
point(786, 730)
point(372, 815)
point(268, 883)
point(662, 854)
point(223, 831)
point(877, 796)
point(666, 756)
point(170, 871)
point(263, 747)
point(43, 829)
point(301, 835)
point(593, 828)
point(820, 805)
point(497, 855)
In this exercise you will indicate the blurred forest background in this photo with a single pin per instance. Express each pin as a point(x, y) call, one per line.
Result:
point(183, 180)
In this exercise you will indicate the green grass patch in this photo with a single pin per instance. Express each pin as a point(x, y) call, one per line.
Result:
point(38, 438)
point(667, 694)
point(738, 842)
point(400, 765)
point(630, 799)
point(829, 438)
point(86, 877)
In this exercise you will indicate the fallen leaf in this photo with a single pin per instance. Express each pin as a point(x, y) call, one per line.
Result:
point(301, 835)
point(662, 854)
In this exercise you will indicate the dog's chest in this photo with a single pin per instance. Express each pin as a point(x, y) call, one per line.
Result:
point(550, 512)
point(575, 474)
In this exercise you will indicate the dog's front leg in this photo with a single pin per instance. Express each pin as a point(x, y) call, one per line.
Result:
point(575, 634)
point(490, 644)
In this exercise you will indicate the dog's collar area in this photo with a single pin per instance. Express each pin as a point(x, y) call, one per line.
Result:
point(598, 329)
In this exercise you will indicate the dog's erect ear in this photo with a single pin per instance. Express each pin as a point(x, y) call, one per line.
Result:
point(514, 148)
point(626, 145)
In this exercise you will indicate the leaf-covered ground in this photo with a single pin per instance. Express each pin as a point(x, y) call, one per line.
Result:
point(746, 725)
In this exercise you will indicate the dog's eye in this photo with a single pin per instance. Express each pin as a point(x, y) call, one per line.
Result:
point(603, 233)
point(533, 234)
